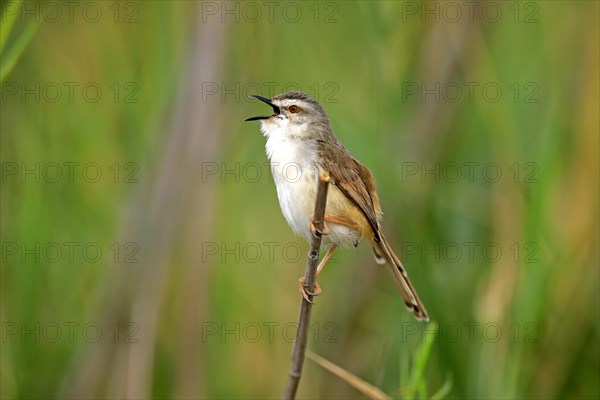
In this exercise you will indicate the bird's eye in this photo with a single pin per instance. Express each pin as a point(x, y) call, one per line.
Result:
point(293, 109)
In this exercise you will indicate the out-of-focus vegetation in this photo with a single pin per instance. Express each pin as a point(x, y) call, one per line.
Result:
point(143, 251)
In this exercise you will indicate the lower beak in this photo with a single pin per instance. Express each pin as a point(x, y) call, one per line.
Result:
point(276, 110)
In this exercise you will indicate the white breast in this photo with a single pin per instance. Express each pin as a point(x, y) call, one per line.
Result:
point(295, 174)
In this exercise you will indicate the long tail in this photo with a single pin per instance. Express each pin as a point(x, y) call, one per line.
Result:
point(383, 252)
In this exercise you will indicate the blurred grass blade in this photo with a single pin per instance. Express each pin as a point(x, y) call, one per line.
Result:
point(404, 370)
point(417, 382)
point(444, 390)
point(11, 56)
point(8, 20)
point(362, 386)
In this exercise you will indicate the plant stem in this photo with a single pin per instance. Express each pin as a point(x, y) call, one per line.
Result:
point(310, 278)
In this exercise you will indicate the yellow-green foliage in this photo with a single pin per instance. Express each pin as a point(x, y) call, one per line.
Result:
point(195, 290)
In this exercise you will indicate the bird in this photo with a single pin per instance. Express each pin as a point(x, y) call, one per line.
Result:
point(300, 144)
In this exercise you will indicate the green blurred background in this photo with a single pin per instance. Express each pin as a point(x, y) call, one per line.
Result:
point(143, 251)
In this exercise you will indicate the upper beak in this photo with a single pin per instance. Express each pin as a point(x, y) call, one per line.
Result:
point(276, 110)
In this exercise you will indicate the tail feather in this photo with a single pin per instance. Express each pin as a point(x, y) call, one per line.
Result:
point(379, 258)
point(383, 251)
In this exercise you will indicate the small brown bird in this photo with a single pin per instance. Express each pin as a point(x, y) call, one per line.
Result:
point(300, 145)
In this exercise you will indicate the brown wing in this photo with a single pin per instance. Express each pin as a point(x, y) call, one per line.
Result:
point(353, 179)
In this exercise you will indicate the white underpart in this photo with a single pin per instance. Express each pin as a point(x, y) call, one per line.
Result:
point(295, 174)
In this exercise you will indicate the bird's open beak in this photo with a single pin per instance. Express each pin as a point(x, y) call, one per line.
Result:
point(276, 110)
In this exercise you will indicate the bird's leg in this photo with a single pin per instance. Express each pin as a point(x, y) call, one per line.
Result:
point(313, 227)
point(326, 231)
point(339, 221)
point(326, 258)
point(328, 218)
point(317, 291)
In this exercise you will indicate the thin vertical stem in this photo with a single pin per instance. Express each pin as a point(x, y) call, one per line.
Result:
point(310, 278)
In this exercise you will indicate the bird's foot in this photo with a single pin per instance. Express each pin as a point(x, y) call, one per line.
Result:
point(306, 293)
point(313, 227)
